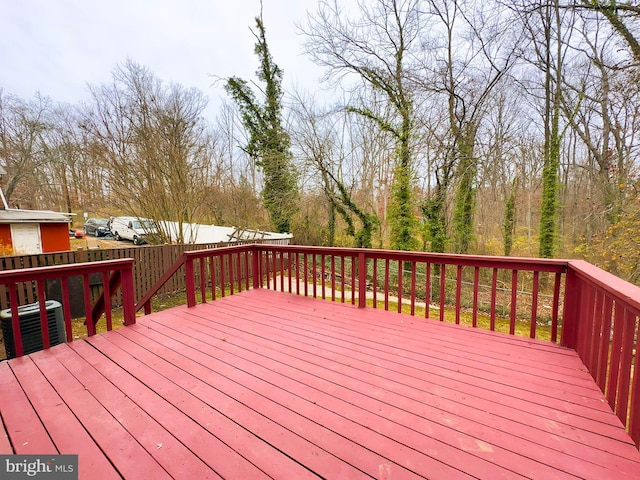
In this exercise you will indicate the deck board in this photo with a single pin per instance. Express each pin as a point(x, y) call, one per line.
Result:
point(264, 384)
point(405, 397)
point(27, 434)
point(58, 419)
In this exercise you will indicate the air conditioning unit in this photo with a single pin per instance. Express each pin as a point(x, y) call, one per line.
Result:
point(30, 328)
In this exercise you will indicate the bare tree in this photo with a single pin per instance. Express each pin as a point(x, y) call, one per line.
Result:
point(156, 146)
point(601, 103)
point(22, 150)
point(622, 16)
point(470, 53)
point(318, 138)
point(234, 191)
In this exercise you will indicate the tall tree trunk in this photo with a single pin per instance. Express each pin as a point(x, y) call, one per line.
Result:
point(553, 92)
point(465, 197)
point(509, 221)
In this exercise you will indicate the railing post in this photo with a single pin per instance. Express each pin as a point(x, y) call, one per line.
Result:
point(362, 280)
point(572, 298)
point(257, 273)
point(128, 300)
point(15, 320)
point(190, 282)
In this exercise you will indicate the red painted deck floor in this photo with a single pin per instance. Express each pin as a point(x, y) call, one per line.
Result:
point(270, 385)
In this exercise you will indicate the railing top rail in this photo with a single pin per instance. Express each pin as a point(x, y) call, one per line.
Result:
point(66, 270)
point(518, 263)
point(220, 250)
point(608, 282)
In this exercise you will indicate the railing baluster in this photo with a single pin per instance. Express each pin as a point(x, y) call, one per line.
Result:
point(400, 275)
point(91, 327)
point(223, 277)
point(265, 268)
point(614, 365)
point(66, 307)
point(15, 320)
point(231, 276)
point(240, 273)
point(514, 300)
point(213, 260)
point(555, 308)
point(44, 320)
point(353, 280)
point(315, 274)
point(605, 340)
point(333, 278)
point(534, 304)
point(586, 327)
point(203, 282)
point(282, 271)
point(494, 292)
point(458, 293)
point(386, 284)
point(596, 334)
point(413, 288)
point(626, 360)
point(246, 269)
point(476, 287)
point(443, 289)
point(107, 303)
point(306, 276)
point(375, 282)
point(323, 276)
point(427, 292)
point(297, 273)
point(289, 272)
point(342, 296)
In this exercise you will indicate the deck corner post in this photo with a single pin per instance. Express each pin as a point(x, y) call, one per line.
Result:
point(362, 280)
point(570, 315)
point(128, 300)
point(190, 282)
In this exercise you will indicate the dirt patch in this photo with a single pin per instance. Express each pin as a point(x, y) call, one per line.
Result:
point(105, 243)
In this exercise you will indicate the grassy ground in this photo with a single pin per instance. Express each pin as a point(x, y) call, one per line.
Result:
point(543, 332)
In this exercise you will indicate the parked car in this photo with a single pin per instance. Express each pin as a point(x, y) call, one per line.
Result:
point(130, 228)
point(98, 227)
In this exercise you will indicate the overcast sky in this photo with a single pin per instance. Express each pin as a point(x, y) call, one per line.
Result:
point(57, 47)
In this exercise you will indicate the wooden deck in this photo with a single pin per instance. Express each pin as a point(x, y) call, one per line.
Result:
point(270, 385)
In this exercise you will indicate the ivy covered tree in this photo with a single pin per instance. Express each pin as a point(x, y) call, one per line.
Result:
point(549, 207)
point(377, 48)
point(269, 143)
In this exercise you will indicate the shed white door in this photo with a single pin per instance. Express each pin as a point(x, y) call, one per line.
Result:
point(26, 238)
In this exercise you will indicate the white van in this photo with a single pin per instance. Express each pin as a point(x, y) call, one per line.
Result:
point(132, 228)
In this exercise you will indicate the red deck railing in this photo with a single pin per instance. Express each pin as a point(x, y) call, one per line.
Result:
point(568, 302)
point(115, 274)
point(605, 328)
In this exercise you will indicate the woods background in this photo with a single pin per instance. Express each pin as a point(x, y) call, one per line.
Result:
point(488, 127)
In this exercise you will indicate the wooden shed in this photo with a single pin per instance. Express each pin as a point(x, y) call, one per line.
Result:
point(33, 231)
